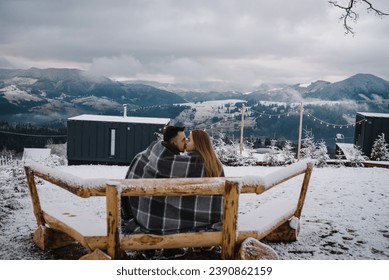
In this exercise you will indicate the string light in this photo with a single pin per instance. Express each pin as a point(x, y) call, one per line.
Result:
point(332, 124)
point(293, 111)
point(278, 115)
point(322, 122)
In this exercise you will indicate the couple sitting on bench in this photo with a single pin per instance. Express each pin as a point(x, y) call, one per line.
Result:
point(166, 159)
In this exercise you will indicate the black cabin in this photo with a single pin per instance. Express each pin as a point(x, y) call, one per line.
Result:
point(113, 140)
point(367, 128)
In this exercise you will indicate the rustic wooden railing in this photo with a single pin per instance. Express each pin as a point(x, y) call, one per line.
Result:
point(271, 221)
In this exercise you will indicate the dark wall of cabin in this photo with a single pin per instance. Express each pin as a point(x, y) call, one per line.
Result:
point(368, 130)
point(89, 142)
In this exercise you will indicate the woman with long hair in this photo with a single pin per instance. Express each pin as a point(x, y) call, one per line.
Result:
point(200, 142)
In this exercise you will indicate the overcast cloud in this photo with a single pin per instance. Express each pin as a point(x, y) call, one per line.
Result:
point(240, 42)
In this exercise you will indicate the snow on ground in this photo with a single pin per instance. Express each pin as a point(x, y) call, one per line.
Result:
point(345, 216)
point(346, 213)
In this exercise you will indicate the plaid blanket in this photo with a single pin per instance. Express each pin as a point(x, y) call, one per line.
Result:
point(169, 214)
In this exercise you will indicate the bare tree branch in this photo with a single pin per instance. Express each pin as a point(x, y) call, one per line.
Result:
point(351, 15)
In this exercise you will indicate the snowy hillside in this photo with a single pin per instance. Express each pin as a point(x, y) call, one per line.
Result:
point(15, 95)
point(357, 87)
point(209, 114)
point(73, 92)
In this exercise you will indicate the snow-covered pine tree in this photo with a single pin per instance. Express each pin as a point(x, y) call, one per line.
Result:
point(247, 158)
point(13, 188)
point(357, 157)
point(321, 154)
point(58, 153)
point(273, 156)
point(228, 152)
point(225, 152)
point(380, 151)
point(308, 145)
point(6, 156)
point(287, 154)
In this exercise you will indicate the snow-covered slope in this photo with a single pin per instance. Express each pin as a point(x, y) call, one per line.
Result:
point(15, 95)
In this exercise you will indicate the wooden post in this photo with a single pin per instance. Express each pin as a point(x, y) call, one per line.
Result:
point(230, 220)
point(112, 221)
point(241, 129)
point(96, 255)
point(300, 130)
point(47, 238)
point(34, 197)
point(303, 191)
point(44, 237)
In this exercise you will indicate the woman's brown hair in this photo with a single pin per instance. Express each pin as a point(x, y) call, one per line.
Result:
point(203, 145)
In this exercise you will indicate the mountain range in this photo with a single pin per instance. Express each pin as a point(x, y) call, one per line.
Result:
point(39, 95)
point(42, 95)
point(360, 87)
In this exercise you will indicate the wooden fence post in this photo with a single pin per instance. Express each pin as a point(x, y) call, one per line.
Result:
point(113, 221)
point(230, 219)
point(304, 189)
point(34, 197)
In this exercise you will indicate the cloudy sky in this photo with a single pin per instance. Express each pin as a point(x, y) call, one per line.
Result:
point(240, 43)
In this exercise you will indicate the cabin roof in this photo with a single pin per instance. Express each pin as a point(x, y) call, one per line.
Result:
point(373, 115)
point(121, 119)
point(347, 149)
point(36, 154)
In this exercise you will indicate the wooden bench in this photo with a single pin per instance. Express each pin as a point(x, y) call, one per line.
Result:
point(58, 226)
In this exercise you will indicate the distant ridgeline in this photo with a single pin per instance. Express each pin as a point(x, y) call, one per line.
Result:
point(47, 97)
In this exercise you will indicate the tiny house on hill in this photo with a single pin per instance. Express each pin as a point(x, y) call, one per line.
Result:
point(114, 140)
point(368, 127)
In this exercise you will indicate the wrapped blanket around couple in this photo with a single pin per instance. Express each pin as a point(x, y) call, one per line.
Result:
point(173, 214)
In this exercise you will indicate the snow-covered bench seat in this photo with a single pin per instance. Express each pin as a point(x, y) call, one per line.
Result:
point(58, 225)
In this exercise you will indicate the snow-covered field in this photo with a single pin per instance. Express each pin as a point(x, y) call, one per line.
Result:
point(346, 214)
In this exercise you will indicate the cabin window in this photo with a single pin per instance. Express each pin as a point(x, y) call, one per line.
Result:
point(113, 141)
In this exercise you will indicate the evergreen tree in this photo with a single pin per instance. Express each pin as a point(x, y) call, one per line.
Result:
point(224, 151)
point(321, 154)
point(273, 156)
point(287, 154)
point(229, 154)
point(357, 157)
point(13, 187)
point(380, 150)
point(308, 145)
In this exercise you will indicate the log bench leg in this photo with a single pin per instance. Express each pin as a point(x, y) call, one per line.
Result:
point(47, 238)
point(97, 254)
point(287, 232)
point(230, 220)
point(252, 249)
